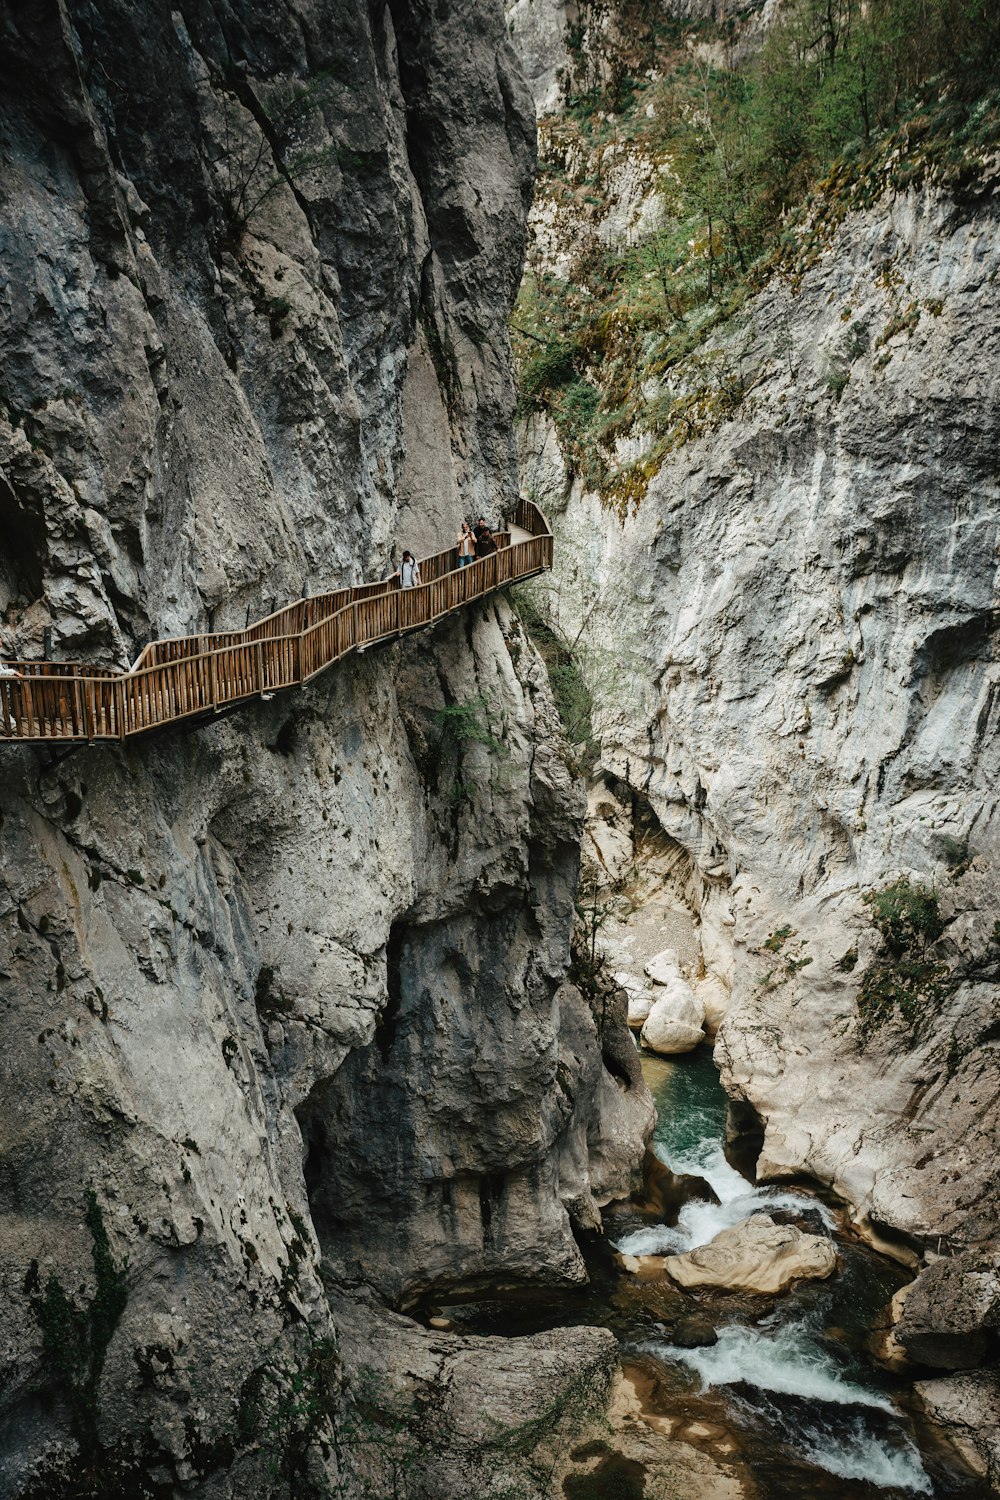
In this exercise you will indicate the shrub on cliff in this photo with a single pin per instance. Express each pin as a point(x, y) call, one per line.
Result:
point(903, 978)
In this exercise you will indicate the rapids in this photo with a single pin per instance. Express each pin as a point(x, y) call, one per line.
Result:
point(803, 1411)
point(790, 1377)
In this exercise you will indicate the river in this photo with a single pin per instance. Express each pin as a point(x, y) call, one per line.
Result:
point(787, 1393)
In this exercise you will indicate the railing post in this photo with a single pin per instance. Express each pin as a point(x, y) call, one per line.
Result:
point(213, 680)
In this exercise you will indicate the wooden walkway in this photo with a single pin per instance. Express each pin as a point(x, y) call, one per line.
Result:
point(196, 676)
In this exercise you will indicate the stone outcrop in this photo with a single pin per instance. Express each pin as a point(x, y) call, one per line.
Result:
point(672, 1026)
point(511, 1408)
point(967, 1410)
point(264, 276)
point(259, 265)
point(675, 1020)
point(950, 1316)
point(757, 1256)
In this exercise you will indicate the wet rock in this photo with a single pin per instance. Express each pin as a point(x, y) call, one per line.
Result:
point(756, 1256)
point(665, 1192)
point(950, 1316)
point(645, 1267)
point(883, 1343)
point(641, 1437)
point(744, 1137)
point(809, 1219)
point(694, 1333)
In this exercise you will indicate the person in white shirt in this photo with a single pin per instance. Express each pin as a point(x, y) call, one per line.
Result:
point(409, 571)
point(466, 546)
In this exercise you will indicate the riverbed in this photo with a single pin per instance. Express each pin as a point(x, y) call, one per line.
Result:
point(786, 1395)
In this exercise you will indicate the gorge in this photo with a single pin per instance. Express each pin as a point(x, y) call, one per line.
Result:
point(325, 1167)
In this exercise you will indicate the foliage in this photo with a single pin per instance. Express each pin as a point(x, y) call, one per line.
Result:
point(905, 915)
point(572, 697)
point(286, 1407)
point(756, 164)
point(455, 729)
point(300, 1412)
point(265, 144)
point(902, 979)
point(461, 724)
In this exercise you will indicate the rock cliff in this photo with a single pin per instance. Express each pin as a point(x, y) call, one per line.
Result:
point(802, 616)
point(792, 645)
point(285, 996)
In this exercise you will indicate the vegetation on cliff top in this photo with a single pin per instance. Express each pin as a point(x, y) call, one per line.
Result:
point(747, 168)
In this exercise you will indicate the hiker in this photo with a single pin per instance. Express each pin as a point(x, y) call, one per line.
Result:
point(8, 671)
point(484, 539)
point(466, 546)
point(409, 571)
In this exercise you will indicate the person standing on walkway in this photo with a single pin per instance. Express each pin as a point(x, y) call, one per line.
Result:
point(409, 571)
point(466, 546)
point(484, 539)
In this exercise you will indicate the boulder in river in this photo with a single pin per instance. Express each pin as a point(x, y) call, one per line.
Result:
point(694, 1333)
point(756, 1255)
point(966, 1410)
point(665, 1192)
point(674, 1023)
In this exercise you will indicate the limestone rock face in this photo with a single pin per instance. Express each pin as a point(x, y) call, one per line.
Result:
point(260, 261)
point(756, 1256)
point(713, 996)
point(487, 1394)
point(265, 285)
point(950, 1316)
point(967, 1409)
point(801, 611)
point(538, 32)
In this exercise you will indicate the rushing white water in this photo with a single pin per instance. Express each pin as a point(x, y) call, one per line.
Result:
point(783, 1376)
point(700, 1222)
point(859, 1439)
point(784, 1358)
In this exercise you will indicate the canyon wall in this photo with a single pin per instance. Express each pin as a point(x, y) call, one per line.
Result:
point(798, 633)
point(792, 644)
point(285, 995)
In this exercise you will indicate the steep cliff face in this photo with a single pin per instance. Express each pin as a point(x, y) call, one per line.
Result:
point(244, 251)
point(258, 265)
point(804, 610)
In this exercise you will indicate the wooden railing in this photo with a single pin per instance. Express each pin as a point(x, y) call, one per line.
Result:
point(198, 675)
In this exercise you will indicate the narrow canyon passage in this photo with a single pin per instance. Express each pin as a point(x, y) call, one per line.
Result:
point(377, 962)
